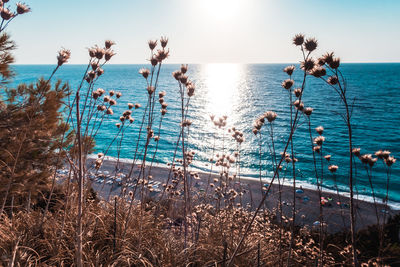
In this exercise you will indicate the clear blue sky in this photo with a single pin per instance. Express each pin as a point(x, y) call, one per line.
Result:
point(208, 31)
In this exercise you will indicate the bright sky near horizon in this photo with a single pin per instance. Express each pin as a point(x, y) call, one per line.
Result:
point(208, 31)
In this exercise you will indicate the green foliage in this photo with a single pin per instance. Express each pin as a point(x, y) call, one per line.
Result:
point(31, 135)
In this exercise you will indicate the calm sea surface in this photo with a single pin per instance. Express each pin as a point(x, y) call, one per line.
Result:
point(243, 92)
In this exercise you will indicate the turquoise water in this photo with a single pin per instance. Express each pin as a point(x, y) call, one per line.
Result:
point(243, 92)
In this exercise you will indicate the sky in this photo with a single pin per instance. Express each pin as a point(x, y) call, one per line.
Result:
point(208, 31)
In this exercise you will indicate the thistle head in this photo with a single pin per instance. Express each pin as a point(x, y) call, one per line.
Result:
point(319, 130)
point(108, 54)
point(308, 111)
point(289, 70)
point(270, 116)
point(335, 63)
point(310, 44)
point(163, 41)
point(287, 84)
point(298, 39)
point(152, 44)
point(333, 168)
point(318, 72)
point(63, 56)
point(145, 72)
point(22, 8)
point(108, 44)
point(308, 64)
point(184, 68)
point(6, 14)
point(327, 57)
point(177, 74)
point(333, 80)
point(162, 54)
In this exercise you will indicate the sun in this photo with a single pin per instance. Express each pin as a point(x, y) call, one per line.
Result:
point(221, 10)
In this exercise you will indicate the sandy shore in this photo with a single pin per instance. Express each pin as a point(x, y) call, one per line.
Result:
point(335, 210)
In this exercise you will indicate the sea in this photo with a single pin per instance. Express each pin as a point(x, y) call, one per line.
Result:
point(243, 92)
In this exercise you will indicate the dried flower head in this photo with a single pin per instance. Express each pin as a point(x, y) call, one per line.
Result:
point(108, 44)
point(137, 105)
point(98, 52)
point(190, 89)
point(162, 94)
point(317, 149)
point(177, 75)
point(183, 79)
point(333, 80)
point(297, 92)
point(100, 155)
point(92, 52)
point(22, 8)
point(310, 44)
point(333, 168)
point(163, 112)
point(318, 72)
point(151, 89)
point(163, 41)
point(328, 157)
point(152, 44)
point(308, 64)
point(184, 68)
point(390, 161)
point(130, 105)
point(153, 61)
point(162, 54)
point(63, 56)
point(308, 111)
point(319, 140)
point(298, 39)
point(356, 151)
point(319, 130)
point(131, 119)
point(145, 72)
point(328, 58)
point(100, 72)
point(335, 63)
point(6, 14)
point(108, 55)
point(270, 116)
point(118, 94)
point(289, 70)
point(287, 84)
point(109, 111)
point(112, 102)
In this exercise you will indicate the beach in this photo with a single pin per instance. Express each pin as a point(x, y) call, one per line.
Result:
point(335, 209)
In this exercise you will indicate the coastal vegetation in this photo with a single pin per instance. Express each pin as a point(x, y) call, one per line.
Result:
point(59, 209)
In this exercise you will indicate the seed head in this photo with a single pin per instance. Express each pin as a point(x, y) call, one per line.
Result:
point(163, 41)
point(390, 161)
point(356, 151)
point(335, 63)
point(108, 44)
point(333, 168)
point(163, 112)
point(112, 93)
point(131, 119)
point(190, 89)
point(287, 84)
point(177, 75)
point(152, 44)
point(112, 102)
point(289, 70)
point(184, 68)
point(183, 79)
point(145, 72)
point(154, 61)
point(118, 94)
point(109, 111)
point(137, 105)
point(319, 140)
point(22, 8)
point(308, 64)
point(108, 54)
point(328, 157)
point(310, 44)
point(63, 56)
point(328, 58)
point(319, 130)
point(317, 149)
point(162, 54)
point(151, 89)
point(298, 39)
point(162, 94)
point(308, 111)
point(92, 52)
point(333, 80)
point(130, 105)
point(98, 52)
point(318, 72)
point(270, 116)
point(6, 14)
point(297, 92)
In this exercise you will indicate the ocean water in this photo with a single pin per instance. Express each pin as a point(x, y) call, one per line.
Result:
point(243, 92)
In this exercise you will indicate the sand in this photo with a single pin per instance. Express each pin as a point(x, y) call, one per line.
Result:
point(335, 211)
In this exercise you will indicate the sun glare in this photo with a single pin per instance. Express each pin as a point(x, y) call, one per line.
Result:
point(221, 9)
point(222, 81)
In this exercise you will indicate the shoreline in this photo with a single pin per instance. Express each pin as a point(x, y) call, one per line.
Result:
point(335, 210)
